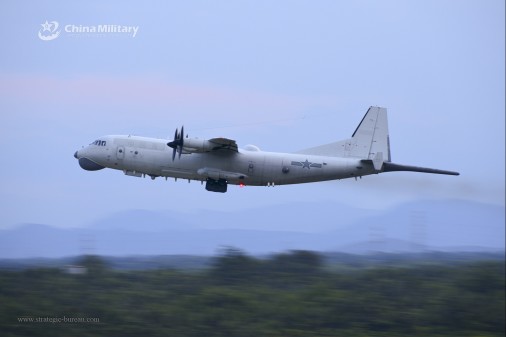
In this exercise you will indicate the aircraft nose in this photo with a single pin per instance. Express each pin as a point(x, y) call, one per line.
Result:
point(75, 155)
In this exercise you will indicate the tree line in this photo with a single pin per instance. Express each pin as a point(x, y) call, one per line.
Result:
point(288, 294)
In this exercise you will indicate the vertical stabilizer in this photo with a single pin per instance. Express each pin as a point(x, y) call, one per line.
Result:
point(369, 141)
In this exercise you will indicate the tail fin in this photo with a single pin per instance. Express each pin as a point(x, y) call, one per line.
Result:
point(369, 141)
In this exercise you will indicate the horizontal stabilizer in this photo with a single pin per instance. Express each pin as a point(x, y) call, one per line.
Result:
point(391, 167)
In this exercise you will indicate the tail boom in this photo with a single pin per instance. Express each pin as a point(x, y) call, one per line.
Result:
point(392, 167)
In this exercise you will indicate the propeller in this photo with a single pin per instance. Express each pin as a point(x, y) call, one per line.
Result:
point(178, 143)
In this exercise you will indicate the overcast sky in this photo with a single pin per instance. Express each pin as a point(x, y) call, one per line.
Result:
point(283, 75)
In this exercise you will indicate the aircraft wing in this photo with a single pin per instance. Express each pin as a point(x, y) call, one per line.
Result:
point(223, 144)
point(213, 145)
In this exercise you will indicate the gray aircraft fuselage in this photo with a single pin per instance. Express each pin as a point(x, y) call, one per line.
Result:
point(220, 162)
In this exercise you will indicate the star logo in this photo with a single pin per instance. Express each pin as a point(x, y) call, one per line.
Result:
point(49, 31)
point(46, 26)
point(306, 164)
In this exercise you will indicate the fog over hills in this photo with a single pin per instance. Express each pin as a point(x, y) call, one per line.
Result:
point(450, 225)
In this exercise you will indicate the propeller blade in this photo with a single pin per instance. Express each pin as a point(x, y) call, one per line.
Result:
point(173, 145)
point(181, 141)
point(178, 143)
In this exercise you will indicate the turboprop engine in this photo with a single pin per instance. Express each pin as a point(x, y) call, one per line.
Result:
point(180, 144)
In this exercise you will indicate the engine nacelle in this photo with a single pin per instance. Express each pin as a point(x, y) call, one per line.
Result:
point(195, 145)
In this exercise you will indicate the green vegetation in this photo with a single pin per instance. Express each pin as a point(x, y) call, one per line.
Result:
point(289, 294)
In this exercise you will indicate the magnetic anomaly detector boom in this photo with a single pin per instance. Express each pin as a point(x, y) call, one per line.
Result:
point(219, 162)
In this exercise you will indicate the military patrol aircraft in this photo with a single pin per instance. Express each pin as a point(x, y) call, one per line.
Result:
point(219, 161)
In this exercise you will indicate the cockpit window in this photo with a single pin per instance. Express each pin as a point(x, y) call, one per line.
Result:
point(99, 143)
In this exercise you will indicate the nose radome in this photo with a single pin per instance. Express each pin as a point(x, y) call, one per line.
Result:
point(75, 155)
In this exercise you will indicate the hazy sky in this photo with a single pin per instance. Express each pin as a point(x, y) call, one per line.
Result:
point(282, 75)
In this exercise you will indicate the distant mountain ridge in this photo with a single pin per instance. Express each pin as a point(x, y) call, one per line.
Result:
point(299, 217)
point(451, 225)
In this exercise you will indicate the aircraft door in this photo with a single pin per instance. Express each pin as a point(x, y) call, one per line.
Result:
point(120, 152)
point(255, 171)
point(251, 167)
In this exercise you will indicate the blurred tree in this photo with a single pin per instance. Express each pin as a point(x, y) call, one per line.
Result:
point(233, 266)
point(94, 264)
point(297, 262)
